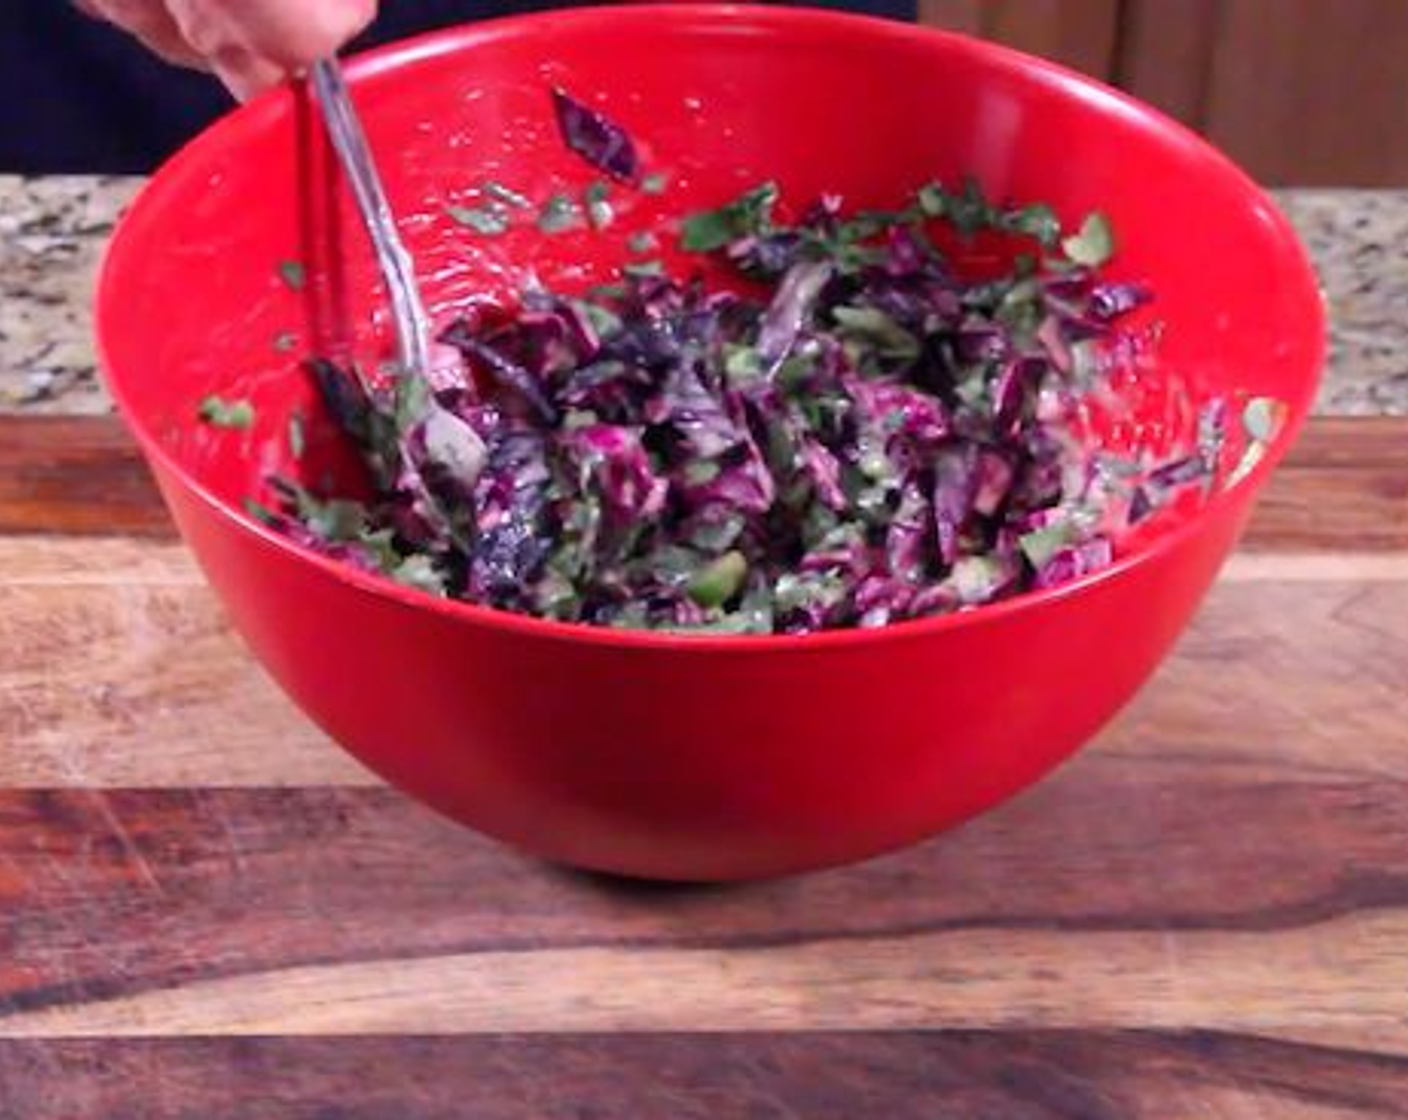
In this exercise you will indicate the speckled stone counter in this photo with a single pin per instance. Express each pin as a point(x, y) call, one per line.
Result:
point(52, 232)
point(1359, 240)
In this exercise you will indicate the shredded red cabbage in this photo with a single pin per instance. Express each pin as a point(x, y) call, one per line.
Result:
point(596, 138)
point(875, 438)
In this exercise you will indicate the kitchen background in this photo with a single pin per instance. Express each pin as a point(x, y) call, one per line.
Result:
point(1300, 92)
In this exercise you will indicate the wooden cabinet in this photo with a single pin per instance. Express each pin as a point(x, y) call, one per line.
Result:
point(1301, 92)
point(1080, 33)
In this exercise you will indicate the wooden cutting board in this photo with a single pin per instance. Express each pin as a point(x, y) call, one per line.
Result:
point(207, 911)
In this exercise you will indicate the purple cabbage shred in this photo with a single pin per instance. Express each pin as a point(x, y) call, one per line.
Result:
point(596, 138)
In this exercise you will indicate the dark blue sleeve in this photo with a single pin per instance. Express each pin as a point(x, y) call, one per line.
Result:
point(894, 9)
point(77, 96)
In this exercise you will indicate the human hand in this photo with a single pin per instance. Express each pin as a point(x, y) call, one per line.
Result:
point(249, 44)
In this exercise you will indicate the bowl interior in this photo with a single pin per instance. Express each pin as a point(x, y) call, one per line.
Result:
point(243, 257)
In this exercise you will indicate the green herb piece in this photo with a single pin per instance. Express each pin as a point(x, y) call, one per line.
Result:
point(1041, 545)
point(753, 616)
point(411, 402)
point(596, 199)
point(972, 388)
point(380, 544)
point(1021, 308)
point(968, 211)
point(1037, 220)
point(608, 291)
point(877, 328)
point(795, 592)
point(603, 320)
point(1087, 364)
point(750, 213)
point(336, 519)
point(1254, 453)
point(933, 200)
point(220, 413)
point(701, 472)
point(488, 220)
point(868, 223)
point(558, 215)
point(293, 274)
point(851, 258)
point(507, 195)
point(742, 363)
point(1094, 244)
point(260, 512)
point(1261, 418)
point(971, 211)
point(419, 572)
point(574, 419)
point(632, 616)
point(871, 459)
point(654, 184)
point(718, 532)
point(974, 578)
point(285, 342)
point(719, 581)
point(640, 270)
point(297, 441)
point(556, 597)
point(794, 369)
point(672, 565)
point(643, 242)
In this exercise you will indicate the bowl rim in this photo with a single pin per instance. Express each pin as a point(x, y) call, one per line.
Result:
point(742, 18)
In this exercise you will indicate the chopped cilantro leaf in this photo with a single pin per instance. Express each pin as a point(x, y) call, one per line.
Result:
point(507, 195)
point(219, 413)
point(640, 269)
point(488, 220)
point(293, 274)
point(559, 214)
point(1094, 244)
point(596, 199)
point(750, 213)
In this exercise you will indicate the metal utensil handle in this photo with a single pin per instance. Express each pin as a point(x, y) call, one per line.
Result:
point(349, 140)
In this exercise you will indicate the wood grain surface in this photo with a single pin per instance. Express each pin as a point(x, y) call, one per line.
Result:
point(63, 474)
point(206, 910)
point(930, 1075)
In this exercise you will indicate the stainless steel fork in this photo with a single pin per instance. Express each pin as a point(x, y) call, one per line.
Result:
point(350, 142)
point(435, 438)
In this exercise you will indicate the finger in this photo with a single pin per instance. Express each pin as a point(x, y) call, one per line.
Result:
point(288, 33)
point(245, 75)
point(151, 23)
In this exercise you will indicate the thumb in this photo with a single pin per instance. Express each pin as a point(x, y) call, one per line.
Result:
point(244, 74)
point(250, 42)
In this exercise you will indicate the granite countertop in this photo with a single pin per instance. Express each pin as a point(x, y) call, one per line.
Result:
point(52, 232)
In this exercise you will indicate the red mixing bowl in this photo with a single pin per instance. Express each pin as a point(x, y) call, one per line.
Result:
point(638, 753)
